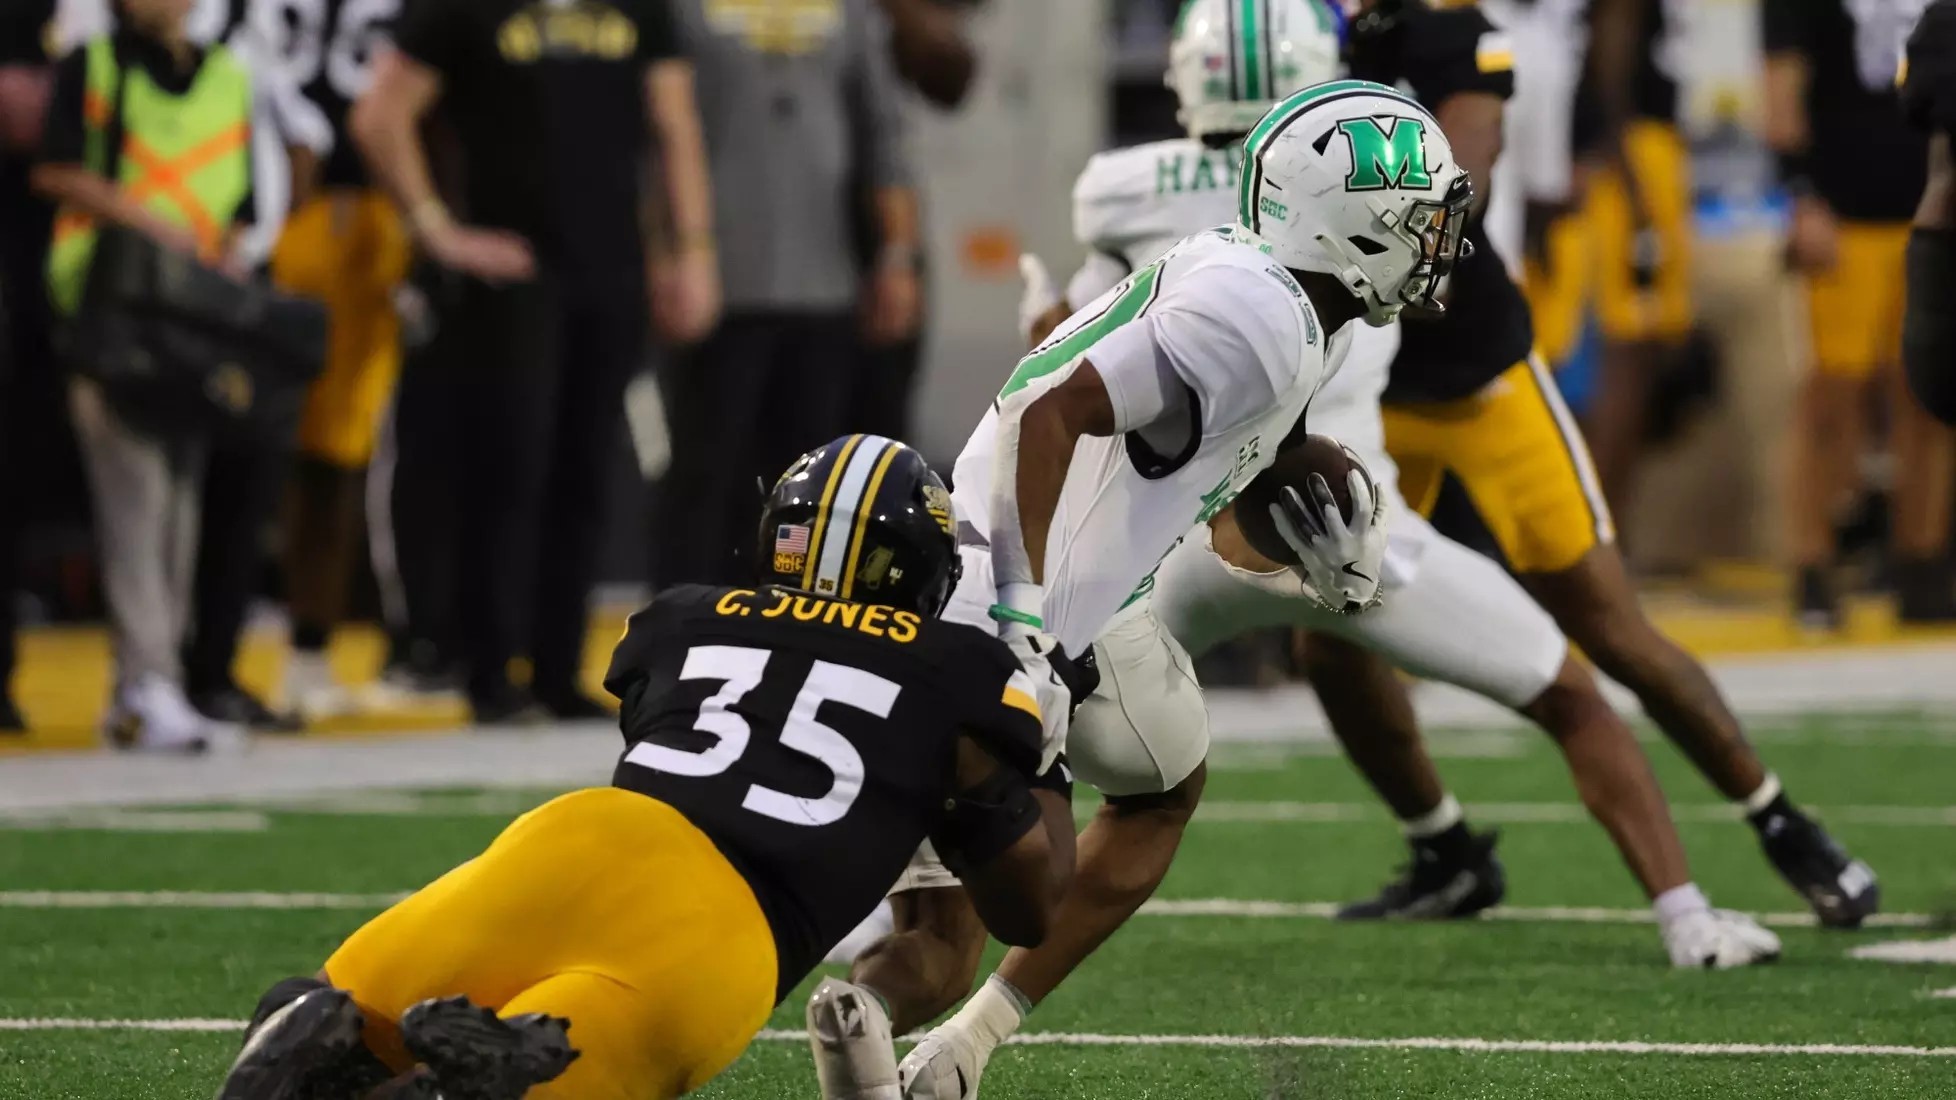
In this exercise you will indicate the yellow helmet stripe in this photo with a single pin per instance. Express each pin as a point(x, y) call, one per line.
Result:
point(822, 510)
point(844, 513)
point(868, 501)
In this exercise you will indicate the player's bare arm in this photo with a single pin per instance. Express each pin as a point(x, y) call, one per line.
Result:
point(1812, 232)
point(386, 124)
point(1472, 121)
point(1614, 39)
point(685, 264)
point(1017, 890)
point(1048, 429)
point(1937, 210)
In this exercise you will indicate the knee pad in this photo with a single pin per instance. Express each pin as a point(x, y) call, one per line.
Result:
point(1144, 729)
point(1929, 322)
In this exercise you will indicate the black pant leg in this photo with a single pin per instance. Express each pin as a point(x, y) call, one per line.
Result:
point(812, 380)
point(241, 492)
point(417, 463)
point(507, 396)
point(603, 345)
point(707, 501)
point(886, 378)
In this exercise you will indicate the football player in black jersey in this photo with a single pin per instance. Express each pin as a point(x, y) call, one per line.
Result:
point(1469, 398)
point(786, 752)
point(1929, 325)
point(1855, 170)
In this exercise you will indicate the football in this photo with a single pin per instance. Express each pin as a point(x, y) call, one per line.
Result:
point(1317, 454)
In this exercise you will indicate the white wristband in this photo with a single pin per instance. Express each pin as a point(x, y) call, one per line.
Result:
point(1025, 597)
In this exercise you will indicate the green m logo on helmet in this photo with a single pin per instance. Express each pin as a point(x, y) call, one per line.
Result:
point(1387, 153)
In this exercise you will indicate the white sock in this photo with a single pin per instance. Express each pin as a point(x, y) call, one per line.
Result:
point(1679, 902)
point(1434, 821)
point(993, 1013)
point(1758, 800)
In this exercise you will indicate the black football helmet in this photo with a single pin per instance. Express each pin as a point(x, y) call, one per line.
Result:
point(862, 518)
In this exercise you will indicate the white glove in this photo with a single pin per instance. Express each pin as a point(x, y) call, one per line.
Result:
point(1718, 939)
point(1039, 295)
point(1341, 563)
point(1034, 649)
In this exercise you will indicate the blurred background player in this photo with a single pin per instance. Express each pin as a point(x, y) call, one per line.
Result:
point(1929, 330)
point(1638, 221)
point(733, 698)
point(508, 418)
point(1855, 170)
point(345, 245)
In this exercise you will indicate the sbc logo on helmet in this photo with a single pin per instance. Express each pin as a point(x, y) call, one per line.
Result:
point(1387, 153)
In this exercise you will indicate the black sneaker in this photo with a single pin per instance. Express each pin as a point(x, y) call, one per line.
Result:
point(239, 707)
point(476, 1055)
point(1842, 890)
point(1452, 875)
point(574, 706)
point(1817, 606)
point(308, 1050)
point(1925, 592)
point(506, 706)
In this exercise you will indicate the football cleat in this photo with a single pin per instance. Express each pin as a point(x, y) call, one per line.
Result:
point(475, 1054)
point(304, 1051)
point(945, 1066)
point(1451, 876)
point(849, 1035)
point(1719, 939)
point(1842, 890)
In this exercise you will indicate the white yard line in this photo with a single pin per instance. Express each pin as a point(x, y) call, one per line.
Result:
point(189, 899)
point(1180, 907)
point(66, 1024)
point(134, 821)
point(1555, 914)
point(1076, 1039)
point(1525, 813)
point(1945, 994)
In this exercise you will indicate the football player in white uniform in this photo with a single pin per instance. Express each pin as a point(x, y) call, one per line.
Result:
point(1139, 417)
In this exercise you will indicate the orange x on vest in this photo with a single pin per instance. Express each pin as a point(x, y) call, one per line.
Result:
point(167, 177)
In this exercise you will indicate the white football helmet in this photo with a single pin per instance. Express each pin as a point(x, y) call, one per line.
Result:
point(1356, 180)
point(1231, 60)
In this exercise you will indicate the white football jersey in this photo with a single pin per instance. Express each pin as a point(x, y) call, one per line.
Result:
point(1131, 205)
point(1238, 331)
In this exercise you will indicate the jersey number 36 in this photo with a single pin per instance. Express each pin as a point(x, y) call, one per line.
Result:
point(740, 669)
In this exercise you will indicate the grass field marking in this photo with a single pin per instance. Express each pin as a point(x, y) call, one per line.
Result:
point(1525, 813)
point(1160, 907)
point(135, 821)
point(1554, 914)
point(1909, 951)
point(189, 899)
point(1466, 1045)
point(1945, 994)
point(1076, 1039)
point(59, 1024)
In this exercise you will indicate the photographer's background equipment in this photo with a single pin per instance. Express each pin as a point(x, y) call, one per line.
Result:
point(178, 347)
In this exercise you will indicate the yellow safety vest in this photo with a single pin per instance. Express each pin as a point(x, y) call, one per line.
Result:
point(184, 157)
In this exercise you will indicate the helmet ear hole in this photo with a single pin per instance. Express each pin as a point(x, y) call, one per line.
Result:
point(1366, 245)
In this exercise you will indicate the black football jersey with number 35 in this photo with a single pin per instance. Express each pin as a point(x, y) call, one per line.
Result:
point(813, 740)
